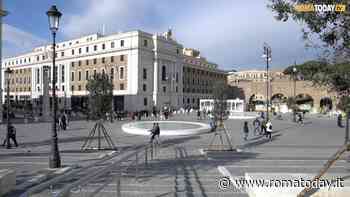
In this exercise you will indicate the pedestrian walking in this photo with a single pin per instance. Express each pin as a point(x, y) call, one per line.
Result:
point(340, 120)
point(198, 115)
point(155, 132)
point(256, 124)
point(63, 121)
point(263, 127)
point(269, 130)
point(12, 135)
point(300, 119)
point(245, 131)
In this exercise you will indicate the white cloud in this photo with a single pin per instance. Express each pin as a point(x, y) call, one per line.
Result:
point(17, 41)
point(227, 32)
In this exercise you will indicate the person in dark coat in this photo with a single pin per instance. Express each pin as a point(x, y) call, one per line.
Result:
point(245, 131)
point(12, 135)
point(155, 132)
point(340, 120)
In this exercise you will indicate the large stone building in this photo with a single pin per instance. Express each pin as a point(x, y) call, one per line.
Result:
point(146, 69)
point(281, 87)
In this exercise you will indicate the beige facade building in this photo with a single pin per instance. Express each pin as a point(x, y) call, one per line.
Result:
point(146, 69)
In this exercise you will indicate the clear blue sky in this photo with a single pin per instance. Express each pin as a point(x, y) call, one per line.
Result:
point(230, 33)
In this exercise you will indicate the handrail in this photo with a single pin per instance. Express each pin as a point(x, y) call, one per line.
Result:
point(82, 181)
point(325, 168)
point(57, 179)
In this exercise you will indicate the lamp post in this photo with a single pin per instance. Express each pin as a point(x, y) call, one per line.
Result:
point(54, 17)
point(8, 71)
point(267, 56)
point(294, 91)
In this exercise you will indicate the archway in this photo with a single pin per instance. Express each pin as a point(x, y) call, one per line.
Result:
point(256, 102)
point(326, 104)
point(279, 103)
point(304, 102)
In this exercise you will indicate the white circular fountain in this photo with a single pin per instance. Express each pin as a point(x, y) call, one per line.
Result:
point(169, 128)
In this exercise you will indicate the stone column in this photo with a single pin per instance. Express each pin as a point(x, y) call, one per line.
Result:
point(46, 95)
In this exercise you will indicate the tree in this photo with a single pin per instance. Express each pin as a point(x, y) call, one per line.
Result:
point(100, 90)
point(331, 28)
point(220, 93)
point(336, 77)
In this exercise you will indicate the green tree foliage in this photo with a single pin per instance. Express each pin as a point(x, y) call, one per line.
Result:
point(336, 77)
point(332, 28)
point(100, 90)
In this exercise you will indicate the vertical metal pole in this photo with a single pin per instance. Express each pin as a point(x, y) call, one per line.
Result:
point(136, 165)
point(99, 135)
point(267, 84)
point(2, 14)
point(347, 127)
point(151, 151)
point(8, 110)
point(146, 155)
point(55, 161)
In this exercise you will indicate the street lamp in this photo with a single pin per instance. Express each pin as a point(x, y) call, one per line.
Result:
point(267, 56)
point(294, 91)
point(54, 18)
point(8, 71)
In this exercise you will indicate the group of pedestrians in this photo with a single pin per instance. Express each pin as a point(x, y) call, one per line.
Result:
point(261, 127)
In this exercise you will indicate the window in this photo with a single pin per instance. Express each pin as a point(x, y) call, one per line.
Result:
point(95, 61)
point(112, 58)
point(103, 72)
point(86, 74)
point(176, 89)
point(103, 60)
point(72, 64)
point(79, 50)
point(72, 51)
point(122, 43)
point(62, 54)
point(145, 43)
point(122, 58)
point(86, 49)
point(95, 47)
point(144, 73)
point(95, 72)
point(63, 88)
point(164, 89)
point(62, 73)
point(72, 77)
point(103, 46)
point(79, 87)
point(79, 63)
point(37, 59)
point(177, 77)
point(163, 73)
point(87, 62)
point(144, 87)
point(145, 101)
point(121, 86)
point(177, 51)
point(72, 88)
point(38, 76)
point(121, 73)
point(112, 44)
point(112, 73)
point(79, 76)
